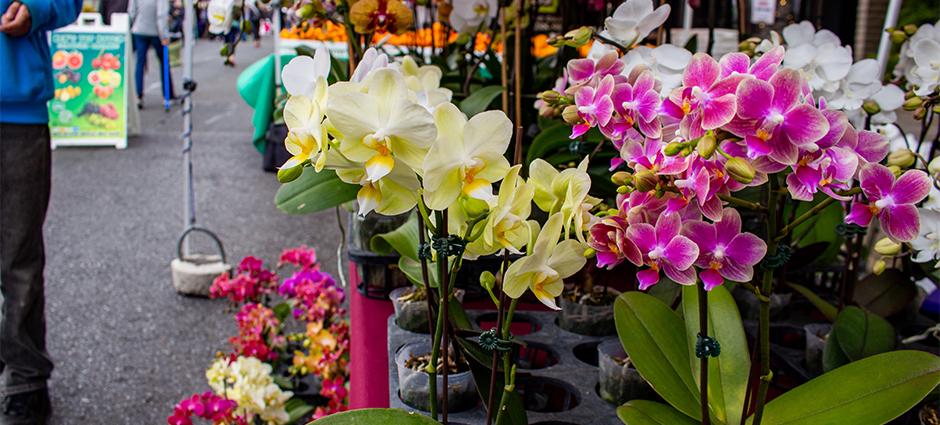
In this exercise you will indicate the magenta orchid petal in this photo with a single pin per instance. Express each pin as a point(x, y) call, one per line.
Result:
point(604, 111)
point(584, 96)
point(804, 124)
point(578, 130)
point(754, 99)
point(787, 85)
point(719, 111)
point(712, 208)
point(710, 279)
point(859, 214)
point(798, 190)
point(702, 71)
point(765, 66)
point(911, 188)
point(729, 226)
point(667, 227)
point(838, 124)
point(643, 235)
point(580, 70)
point(872, 146)
point(647, 278)
point(784, 153)
point(734, 62)
point(653, 128)
point(737, 272)
point(682, 277)
point(900, 222)
point(681, 252)
point(876, 181)
point(703, 234)
point(746, 249)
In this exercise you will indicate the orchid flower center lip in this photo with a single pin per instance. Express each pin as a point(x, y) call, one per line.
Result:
point(719, 252)
point(656, 253)
point(775, 117)
point(885, 202)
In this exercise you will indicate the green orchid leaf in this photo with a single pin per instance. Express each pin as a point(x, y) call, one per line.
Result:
point(403, 240)
point(727, 373)
point(412, 270)
point(644, 412)
point(833, 356)
point(872, 391)
point(480, 100)
point(655, 339)
point(314, 192)
point(862, 334)
point(296, 410)
point(824, 307)
point(375, 417)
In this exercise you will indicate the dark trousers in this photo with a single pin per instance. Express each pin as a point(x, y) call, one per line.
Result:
point(25, 177)
point(142, 45)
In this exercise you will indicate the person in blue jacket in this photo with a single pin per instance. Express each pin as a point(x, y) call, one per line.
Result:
point(25, 176)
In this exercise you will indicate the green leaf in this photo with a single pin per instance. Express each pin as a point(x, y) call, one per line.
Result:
point(727, 373)
point(314, 192)
point(296, 409)
point(886, 294)
point(403, 240)
point(645, 412)
point(862, 334)
point(655, 339)
point(833, 356)
point(824, 307)
point(550, 139)
point(375, 417)
point(870, 391)
point(480, 362)
point(281, 311)
point(480, 99)
point(412, 270)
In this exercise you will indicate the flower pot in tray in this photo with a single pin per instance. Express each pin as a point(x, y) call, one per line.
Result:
point(414, 390)
point(411, 308)
point(618, 381)
point(588, 314)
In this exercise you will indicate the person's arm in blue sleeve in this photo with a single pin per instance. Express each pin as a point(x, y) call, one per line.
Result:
point(47, 15)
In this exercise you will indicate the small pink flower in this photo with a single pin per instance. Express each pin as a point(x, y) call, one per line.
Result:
point(594, 106)
point(823, 170)
point(638, 103)
point(608, 239)
point(762, 69)
point(706, 101)
point(584, 71)
point(664, 249)
point(725, 252)
point(891, 201)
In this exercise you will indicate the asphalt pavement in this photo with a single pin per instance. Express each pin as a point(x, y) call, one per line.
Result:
point(127, 348)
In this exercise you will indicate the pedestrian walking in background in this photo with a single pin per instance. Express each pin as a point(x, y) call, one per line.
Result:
point(25, 177)
point(254, 15)
point(149, 29)
point(107, 7)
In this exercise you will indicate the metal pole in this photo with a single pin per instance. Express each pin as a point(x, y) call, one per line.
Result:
point(686, 22)
point(189, 201)
point(277, 42)
point(884, 46)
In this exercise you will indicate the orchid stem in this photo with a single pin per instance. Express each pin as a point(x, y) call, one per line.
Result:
point(703, 331)
point(500, 311)
point(766, 289)
point(422, 239)
point(742, 203)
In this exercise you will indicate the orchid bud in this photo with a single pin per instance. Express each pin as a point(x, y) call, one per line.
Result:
point(920, 113)
point(707, 145)
point(740, 170)
point(589, 253)
point(894, 169)
point(645, 181)
point(673, 148)
point(898, 36)
point(910, 29)
point(621, 178)
point(936, 109)
point(553, 98)
point(287, 175)
point(475, 208)
point(871, 107)
point(912, 103)
point(887, 247)
point(623, 189)
point(903, 158)
point(487, 280)
point(934, 166)
point(879, 267)
point(579, 37)
point(570, 115)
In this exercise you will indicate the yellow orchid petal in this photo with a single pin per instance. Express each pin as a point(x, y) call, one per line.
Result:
point(379, 166)
point(479, 189)
point(369, 198)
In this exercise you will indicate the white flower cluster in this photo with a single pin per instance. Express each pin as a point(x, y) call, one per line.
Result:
point(919, 61)
point(248, 382)
point(927, 244)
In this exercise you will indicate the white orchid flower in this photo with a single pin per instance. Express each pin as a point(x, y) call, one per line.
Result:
point(549, 262)
point(927, 244)
point(381, 126)
point(667, 63)
point(906, 65)
point(926, 55)
point(307, 76)
point(371, 61)
point(468, 15)
point(219, 13)
point(564, 191)
point(424, 82)
point(859, 84)
point(633, 21)
point(307, 138)
point(889, 99)
point(467, 157)
point(393, 194)
point(506, 226)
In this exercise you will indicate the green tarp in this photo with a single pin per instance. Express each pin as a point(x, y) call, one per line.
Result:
point(256, 87)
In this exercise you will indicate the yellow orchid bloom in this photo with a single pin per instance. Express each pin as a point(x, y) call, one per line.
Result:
point(424, 82)
point(506, 227)
point(381, 126)
point(395, 193)
point(307, 138)
point(549, 262)
point(467, 157)
point(564, 191)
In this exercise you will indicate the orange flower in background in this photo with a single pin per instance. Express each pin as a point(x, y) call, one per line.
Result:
point(369, 16)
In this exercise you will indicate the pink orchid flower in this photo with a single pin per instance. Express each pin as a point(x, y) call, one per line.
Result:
point(594, 106)
point(649, 156)
point(725, 252)
point(892, 201)
point(781, 123)
point(640, 207)
point(706, 101)
point(663, 248)
point(583, 71)
point(608, 239)
point(638, 103)
point(762, 69)
point(824, 170)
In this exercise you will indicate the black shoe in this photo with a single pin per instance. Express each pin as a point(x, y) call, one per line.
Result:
point(31, 408)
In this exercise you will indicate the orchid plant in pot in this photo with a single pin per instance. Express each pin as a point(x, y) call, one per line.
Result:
point(780, 134)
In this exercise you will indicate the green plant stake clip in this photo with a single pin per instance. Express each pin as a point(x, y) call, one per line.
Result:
point(706, 346)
